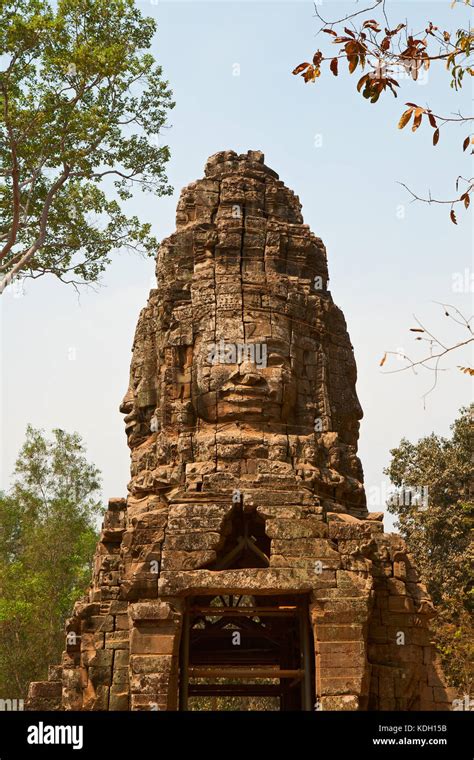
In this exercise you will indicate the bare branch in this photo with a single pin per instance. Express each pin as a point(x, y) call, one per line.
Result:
point(431, 362)
point(349, 15)
point(431, 200)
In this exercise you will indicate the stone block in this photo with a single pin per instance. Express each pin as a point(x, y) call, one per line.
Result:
point(291, 529)
point(344, 703)
point(120, 677)
point(327, 632)
point(152, 640)
point(45, 690)
point(117, 640)
point(100, 676)
point(313, 547)
point(146, 664)
point(119, 701)
point(122, 622)
point(121, 658)
point(154, 610)
point(101, 658)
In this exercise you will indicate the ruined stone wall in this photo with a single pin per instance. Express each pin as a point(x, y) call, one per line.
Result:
point(364, 593)
point(271, 432)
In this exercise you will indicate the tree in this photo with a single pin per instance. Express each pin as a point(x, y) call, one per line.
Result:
point(393, 51)
point(81, 110)
point(438, 531)
point(47, 540)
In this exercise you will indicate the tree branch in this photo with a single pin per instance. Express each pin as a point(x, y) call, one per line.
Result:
point(39, 242)
point(15, 173)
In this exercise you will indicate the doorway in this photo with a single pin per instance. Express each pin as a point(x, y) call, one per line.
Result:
point(244, 652)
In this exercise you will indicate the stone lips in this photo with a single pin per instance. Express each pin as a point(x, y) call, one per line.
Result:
point(280, 440)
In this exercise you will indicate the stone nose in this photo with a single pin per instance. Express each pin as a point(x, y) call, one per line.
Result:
point(126, 405)
point(247, 374)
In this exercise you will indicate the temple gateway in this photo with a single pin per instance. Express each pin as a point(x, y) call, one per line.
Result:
point(243, 570)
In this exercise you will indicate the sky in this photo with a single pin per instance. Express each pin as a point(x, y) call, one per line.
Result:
point(65, 359)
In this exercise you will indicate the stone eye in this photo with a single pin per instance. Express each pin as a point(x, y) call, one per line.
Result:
point(276, 360)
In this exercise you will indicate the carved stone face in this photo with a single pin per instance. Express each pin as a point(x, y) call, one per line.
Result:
point(241, 333)
point(243, 381)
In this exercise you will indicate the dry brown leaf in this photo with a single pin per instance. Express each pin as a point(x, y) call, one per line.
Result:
point(353, 61)
point(300, 68)
point(417, 119)
point(405, 118)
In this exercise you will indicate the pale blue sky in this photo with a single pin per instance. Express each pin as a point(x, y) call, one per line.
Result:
point(385, 263)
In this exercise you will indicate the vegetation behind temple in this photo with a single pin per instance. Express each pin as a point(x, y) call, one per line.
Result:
point(440, 536)
point(47, 541)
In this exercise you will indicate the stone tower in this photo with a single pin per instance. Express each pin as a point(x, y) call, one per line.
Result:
point(244, 563)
